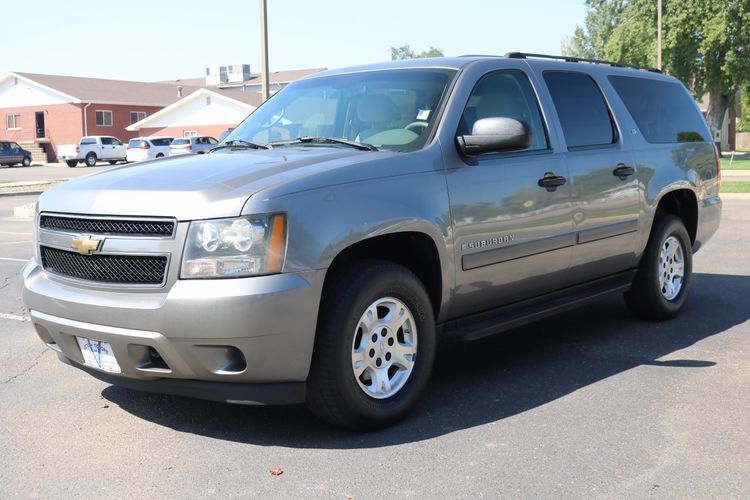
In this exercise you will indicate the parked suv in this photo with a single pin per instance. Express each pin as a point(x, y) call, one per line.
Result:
point(361, 216)
point(192, 145)
point(148, 148)
point(11, 154)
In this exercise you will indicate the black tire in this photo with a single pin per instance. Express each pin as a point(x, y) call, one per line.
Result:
point(333, 393)
point(26, 161)
point(645, 299)
point(160, 155)
point(72, 163)
point(113, 162)
point(91, 160)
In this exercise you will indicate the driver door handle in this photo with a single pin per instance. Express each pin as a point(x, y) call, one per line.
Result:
point(550, 181)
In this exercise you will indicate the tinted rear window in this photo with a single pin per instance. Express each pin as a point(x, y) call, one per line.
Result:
point(160, 142)
point(180, 142)
point(663, 111)
point(88, 140)
point(583, 113)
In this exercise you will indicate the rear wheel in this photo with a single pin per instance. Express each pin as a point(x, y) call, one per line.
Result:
point(160, 155)
point(374, 321)
point(662, 282)
point(91, 160)
point(71, 163)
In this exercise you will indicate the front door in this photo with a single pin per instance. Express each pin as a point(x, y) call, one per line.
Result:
point(41, 131)
point(513, 237)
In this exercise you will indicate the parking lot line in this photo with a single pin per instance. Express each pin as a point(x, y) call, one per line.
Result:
point(14, 317)
point(13, 260)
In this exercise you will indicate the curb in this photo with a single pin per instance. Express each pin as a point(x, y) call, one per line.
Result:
point(26, 188)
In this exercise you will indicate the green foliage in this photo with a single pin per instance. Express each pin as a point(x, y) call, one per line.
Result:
point(406, 52)
point(706, 43)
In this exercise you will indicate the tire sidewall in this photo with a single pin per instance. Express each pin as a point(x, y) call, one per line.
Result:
point(403, 286)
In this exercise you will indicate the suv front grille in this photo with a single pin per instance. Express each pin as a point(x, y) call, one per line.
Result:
point(131, 227)
point(121, 269)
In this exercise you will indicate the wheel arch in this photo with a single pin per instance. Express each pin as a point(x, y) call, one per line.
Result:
point(683, 203)
point(415, 250)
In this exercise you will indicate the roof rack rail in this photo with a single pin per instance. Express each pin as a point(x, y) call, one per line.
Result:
point(523, 55)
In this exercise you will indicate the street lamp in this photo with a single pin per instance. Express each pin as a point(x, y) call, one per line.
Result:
point(264, 91)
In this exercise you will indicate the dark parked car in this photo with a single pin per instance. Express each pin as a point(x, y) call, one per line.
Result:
point(11, 154)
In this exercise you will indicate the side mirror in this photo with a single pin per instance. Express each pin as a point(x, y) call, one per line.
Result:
point(495, 134)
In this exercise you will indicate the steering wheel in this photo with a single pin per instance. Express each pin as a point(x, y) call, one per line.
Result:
point(417, 127)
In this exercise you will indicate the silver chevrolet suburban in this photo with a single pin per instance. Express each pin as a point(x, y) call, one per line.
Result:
point(362, 216)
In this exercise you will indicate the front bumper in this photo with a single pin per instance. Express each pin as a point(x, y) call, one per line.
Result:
point(234, 332)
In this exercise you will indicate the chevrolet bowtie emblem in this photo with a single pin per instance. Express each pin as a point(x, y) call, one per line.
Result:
point(86, 244)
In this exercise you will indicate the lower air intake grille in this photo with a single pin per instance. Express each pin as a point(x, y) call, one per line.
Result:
point(122, 269)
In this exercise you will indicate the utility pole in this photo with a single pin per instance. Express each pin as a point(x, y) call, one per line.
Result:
point(658, 35)
point(264, 91)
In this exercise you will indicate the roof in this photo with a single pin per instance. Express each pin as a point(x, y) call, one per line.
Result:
point(247, 101)
point(274, 77)
point(103, 91)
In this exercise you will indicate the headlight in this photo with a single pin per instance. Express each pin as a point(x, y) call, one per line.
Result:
point(234, 248)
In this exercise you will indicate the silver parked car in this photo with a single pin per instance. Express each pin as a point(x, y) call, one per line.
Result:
point(192, 145)
point(361, 216)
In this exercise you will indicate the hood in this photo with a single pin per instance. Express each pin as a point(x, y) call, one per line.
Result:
point(196, 186)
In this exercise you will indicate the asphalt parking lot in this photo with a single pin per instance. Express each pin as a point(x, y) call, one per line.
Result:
point(593, 403)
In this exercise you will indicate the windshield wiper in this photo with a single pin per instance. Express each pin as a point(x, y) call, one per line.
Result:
point(362, 146)
point(239, 143)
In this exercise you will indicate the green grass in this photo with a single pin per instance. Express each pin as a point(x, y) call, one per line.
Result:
point(735, 186)
point(739, 163)
point(6, 182)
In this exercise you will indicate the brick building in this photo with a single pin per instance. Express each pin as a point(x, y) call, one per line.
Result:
point(49, 110)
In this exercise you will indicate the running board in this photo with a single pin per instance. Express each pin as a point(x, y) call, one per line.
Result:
point(488, 323)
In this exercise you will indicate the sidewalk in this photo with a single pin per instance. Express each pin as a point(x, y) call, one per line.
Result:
point(28, 187)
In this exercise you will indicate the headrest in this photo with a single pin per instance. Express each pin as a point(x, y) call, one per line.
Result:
point(377, 108)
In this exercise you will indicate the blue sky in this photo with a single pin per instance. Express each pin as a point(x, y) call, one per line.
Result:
point(165, 40)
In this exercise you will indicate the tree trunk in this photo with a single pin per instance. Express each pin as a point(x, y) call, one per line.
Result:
point(718, 105)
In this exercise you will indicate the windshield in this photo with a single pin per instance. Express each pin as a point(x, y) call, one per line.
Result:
point(393, 109)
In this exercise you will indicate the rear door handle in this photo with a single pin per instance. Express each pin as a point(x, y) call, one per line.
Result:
point(550, 181)
point(623, 171)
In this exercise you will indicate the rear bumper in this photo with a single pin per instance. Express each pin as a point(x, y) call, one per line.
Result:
point(709, 217)
point(250, 394)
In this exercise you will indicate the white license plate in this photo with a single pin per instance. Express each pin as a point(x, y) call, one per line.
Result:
point(98, 354)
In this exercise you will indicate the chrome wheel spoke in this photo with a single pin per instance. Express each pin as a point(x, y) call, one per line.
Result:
point(384, 348)
point(671, 268)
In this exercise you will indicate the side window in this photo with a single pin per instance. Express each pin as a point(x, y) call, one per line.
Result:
point(663, 111)
point(580, 105)
point(509, 94)
point(107, 141)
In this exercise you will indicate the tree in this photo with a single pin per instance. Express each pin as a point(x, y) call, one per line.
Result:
point(706, 43)
point(406, 52)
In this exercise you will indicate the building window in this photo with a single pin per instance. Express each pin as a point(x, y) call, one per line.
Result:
point(103, 118)
point(13, 122)
point(136, 116)
point(189, 133)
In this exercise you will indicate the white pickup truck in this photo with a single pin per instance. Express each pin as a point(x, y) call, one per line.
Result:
point(92, 149)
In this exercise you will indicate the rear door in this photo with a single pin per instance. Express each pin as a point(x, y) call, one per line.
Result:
point(604, 186)
point(513, 237)
point(108, 148)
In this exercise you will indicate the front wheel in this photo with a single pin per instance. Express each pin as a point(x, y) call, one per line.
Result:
point(26, 161)
point(374, 348)
point(665, 272)
point(91, 160)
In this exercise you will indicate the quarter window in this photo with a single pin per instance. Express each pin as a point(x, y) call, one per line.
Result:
point(136, 116)
point(103, 118)
point(13, 121)
point(580, 105)
point(509, 94)
point(663, 111)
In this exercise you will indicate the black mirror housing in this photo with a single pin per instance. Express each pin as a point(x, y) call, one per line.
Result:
point(495, 134)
